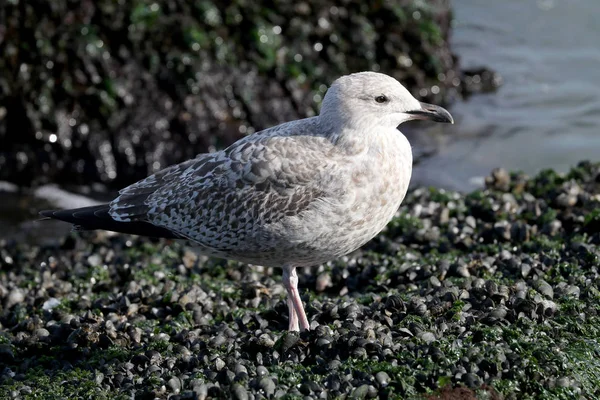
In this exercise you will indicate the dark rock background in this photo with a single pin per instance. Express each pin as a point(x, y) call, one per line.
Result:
point(111, 91)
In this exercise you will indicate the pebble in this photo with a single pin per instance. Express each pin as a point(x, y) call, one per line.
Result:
point(360, 392)
point(175, 384)
point(427, 337)
point(42, 333)
point(239, 392)
point(382, 378)
point(16, 296)
point(544, 288)
point(267, 385)
point(261, 371)
point(461, 281)
point(50, 304)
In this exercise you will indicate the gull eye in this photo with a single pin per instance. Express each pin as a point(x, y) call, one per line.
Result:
point(381, 99)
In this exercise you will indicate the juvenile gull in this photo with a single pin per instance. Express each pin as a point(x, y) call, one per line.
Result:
point(294, 195)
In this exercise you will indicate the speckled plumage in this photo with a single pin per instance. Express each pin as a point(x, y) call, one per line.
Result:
point(286, 195)
point(298, 194)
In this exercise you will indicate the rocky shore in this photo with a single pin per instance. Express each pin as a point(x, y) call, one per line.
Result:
point(108, 92)
point(494, 294)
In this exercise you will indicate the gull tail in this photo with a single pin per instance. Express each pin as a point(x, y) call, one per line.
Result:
point(98, 217)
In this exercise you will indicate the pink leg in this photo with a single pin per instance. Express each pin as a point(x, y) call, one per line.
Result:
point(296, 310)
point(293, 316)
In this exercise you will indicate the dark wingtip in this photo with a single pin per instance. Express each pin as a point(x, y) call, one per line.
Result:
point(98, 217)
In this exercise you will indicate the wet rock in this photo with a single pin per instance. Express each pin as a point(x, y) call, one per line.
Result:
point(544, 288)
point(200, 389)
point(472, 380)
point(175, 384)
point(552, 228)
point(16, 296)
point(502, 230)
point(323, 282)
point(520, 232)
point(261, 371)
point(481, 79)
point(6, 352)
point(179, 81)
point(499, 313)
point(499, 180)
point(267, 385)
point(566, 200)
point(382, 378)
point(266, 340)
point(41, 333)
point(471, 222)
point(50, 304)
point(360, 392)
point(525, 269)
point(239, 392)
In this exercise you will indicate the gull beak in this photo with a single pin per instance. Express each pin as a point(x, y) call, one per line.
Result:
point(432, 113)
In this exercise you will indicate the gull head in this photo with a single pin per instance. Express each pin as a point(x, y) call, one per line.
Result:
point(374, 99)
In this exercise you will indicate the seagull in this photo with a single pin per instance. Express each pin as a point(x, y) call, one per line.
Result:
point(295, 195)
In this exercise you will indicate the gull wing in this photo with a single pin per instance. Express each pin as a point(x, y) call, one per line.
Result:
point(231, 195)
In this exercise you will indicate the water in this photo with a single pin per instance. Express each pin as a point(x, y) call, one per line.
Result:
point(546, 114)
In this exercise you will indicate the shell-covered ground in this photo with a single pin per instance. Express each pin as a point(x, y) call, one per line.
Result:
point(494, 294)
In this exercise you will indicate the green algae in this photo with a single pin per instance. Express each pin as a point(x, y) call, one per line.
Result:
point(545, 348)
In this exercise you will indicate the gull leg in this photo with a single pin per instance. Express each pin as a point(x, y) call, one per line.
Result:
point(297, 314)
point(293, 316)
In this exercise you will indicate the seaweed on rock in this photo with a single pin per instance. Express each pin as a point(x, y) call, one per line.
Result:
point(106, 91)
